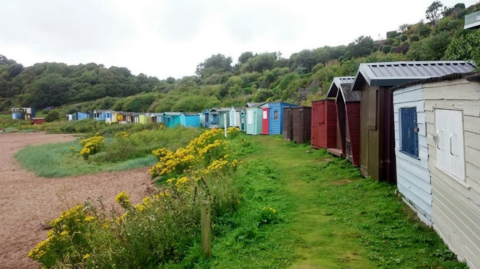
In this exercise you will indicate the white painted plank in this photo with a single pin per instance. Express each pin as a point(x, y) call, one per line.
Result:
point(472, 124)
point(420, 206)
point(472, 140)
point(469, 107)
point(419, 105)
point(408, 95)
point(421, 194)
point(420, 180)
point(465, 91)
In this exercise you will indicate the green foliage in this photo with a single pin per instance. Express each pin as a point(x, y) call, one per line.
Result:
point(262, 95)
point(465, 47)
point(431, 48)
point(215, 64)
point(392, 34)
point(53, 115)
point(414, 38)
point(361, 46)
point(56, 160)
point(259, 63)
point(434, 12)
point(386, 49)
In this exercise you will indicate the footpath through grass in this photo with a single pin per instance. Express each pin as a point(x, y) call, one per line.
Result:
point(328, 217)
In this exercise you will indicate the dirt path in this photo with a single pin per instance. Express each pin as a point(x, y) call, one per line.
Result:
point(27, 202)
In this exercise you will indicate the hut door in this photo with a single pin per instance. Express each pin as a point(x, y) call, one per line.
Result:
point(265, 121)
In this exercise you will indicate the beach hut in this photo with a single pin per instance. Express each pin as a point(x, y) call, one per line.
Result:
point(207, 118)
point(235, 116)
point(242, 120)
point(82, 115)
point(374, 81)
point(348, 117)
point(324, 126)
point(102, 115)
point(287, 123)
point(16, 113)
point(202, 119)
point(301, 123)
point(254, 120)
point(438, 157)
point(190, 119)
point(37, 121)
point(171, 119)
point(218, 116)
point(223, 117)
point(272, 115)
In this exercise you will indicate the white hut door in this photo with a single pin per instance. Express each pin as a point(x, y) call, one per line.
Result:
point(450, 142)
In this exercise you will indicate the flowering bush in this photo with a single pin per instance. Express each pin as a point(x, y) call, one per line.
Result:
point(160, 229)
point(67, 238)
point(91, 145)
point(268, 216)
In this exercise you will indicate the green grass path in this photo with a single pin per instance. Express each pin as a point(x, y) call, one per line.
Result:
point(334, 218)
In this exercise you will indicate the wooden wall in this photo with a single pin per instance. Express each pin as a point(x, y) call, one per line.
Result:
point(353, 130)
point(324, 124)
point(456, 202)
point(413, 174)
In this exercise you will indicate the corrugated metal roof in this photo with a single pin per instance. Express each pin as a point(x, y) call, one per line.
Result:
point(190, 113)
point(172, 113)
point(252, 104)
point(395, 73)
point(345, 86)
point(467, 76)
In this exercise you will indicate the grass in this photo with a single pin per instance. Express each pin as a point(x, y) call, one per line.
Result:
point(330, 217)
point(59, 160)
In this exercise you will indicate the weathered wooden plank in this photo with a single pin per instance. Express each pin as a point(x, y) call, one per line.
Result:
point(472, 156)
point(419, 105)
point(422, 197)
point(469, 107)
point(448, 231)
point(472, 140)
point(463, 91)
point(418, 176)
point(420, 206)
point(421, 163)
point(472, 124)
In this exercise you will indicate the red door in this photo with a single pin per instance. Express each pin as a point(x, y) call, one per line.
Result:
point(265, 121)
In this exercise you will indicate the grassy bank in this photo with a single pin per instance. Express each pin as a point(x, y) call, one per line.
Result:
point(330, 217)
point(62, 159)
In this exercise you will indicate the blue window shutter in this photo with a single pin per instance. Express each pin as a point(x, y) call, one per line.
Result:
point(409, 131)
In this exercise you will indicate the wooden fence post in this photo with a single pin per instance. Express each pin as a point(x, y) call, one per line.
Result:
point(206, 225)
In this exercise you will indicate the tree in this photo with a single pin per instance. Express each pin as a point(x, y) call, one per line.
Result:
point(170, 80)
point(53, 115)
point(243, 58)
point(215, 64)
point(464, 47)
point(14, 70)
point(360, 47)
point(259, 63)
point(434, 12)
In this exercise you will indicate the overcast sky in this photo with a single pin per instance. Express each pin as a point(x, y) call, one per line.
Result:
point(169, 38)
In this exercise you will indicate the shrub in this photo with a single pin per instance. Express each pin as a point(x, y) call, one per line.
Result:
point(403, 38)
point(392, 34)
point(386, 49)
point(164, 227)
point(414, 38)
point(53, 115)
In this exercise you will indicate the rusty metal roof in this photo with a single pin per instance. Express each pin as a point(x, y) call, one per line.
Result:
point(395, 73)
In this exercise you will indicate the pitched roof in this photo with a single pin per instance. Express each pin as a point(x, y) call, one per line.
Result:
point(344, 84)
point(190, 113)
point(172, 113)
point(472, 77)
point(237, 109)
point(395, 73)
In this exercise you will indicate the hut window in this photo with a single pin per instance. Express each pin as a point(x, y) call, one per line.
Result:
point(275, 114)
point(409, 131)
point(372, 109)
